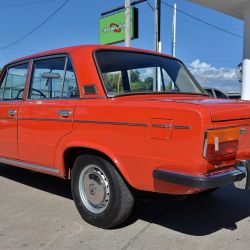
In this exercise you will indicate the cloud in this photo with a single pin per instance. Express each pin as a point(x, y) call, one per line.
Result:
point(207, 72)
point(222, 78)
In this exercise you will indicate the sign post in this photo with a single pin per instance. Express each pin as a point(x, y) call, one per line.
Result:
point(127, 23)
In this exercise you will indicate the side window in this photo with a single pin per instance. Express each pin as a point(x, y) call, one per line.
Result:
point(50, 80)
point(114, 82)
point(47, 78)
point(13, 83)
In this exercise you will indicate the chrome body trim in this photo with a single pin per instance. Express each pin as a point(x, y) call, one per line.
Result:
point(29, 165)
point(7, 118)
point(113, 123)
point(44, 119)
point(67, 113)
point(182, 127)
point(161, 125)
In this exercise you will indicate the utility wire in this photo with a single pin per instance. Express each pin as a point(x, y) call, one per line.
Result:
point(25, 3)
point(36, 28)
point(202, 21)
point(150, 6)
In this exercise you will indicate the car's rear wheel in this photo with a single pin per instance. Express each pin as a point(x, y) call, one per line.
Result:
point(100, 194)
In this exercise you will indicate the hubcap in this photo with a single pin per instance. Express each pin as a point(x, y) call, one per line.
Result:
point(94, 189)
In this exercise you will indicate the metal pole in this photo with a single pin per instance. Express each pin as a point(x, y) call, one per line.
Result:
point(121, 7)
point(174, 32)
point(127, 23)
point(157, 35)
point(157, 24)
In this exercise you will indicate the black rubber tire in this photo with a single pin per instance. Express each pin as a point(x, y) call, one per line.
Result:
point(121, 200)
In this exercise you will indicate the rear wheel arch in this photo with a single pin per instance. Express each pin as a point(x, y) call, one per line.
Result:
point(71, 154)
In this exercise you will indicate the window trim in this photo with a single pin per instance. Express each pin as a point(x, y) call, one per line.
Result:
point(6, 70)
point(46, 57)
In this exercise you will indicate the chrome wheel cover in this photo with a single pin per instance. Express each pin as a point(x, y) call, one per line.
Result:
point(94, 189)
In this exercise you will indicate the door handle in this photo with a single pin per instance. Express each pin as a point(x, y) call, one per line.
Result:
point(64, 113)
point(12, 112)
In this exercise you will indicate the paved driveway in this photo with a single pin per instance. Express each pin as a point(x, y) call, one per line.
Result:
point(37, 212)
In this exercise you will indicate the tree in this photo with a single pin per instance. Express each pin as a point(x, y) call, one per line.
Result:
point(135, 76)
point(149, 80)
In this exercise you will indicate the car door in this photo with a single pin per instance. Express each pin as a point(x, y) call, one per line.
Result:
point(11, 93)
point(47, 114)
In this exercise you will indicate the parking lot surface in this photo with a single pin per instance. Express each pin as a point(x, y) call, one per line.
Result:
point(37, 212)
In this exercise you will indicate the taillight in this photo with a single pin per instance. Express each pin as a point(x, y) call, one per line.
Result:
point(221, 144)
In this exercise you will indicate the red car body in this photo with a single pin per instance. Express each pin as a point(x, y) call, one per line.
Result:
point(145, 136)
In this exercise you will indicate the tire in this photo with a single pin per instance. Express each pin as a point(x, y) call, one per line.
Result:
point(99, 192)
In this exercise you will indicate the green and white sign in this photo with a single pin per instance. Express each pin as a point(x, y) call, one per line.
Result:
point(112, 28)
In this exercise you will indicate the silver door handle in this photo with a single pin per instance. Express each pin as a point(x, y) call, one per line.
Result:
point(64, 113)
point(12, 112)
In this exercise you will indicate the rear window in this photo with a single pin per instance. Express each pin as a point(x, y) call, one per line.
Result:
point(131, 72)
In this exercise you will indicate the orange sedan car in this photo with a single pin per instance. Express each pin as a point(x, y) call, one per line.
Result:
point(115, 120)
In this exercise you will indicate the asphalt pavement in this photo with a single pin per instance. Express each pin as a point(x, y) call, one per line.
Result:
point(37, 212)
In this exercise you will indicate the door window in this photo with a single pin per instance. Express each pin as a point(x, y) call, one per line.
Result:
point(70, 89)
point(53, 78)
point(13, 83)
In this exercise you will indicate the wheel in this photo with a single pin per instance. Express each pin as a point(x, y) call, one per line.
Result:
point(99, 192)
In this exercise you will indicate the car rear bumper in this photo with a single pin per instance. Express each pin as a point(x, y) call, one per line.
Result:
point(206, 182)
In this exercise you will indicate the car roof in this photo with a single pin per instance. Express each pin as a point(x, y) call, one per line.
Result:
point(91, 48)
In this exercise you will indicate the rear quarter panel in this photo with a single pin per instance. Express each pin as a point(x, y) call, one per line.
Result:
point(122, 130)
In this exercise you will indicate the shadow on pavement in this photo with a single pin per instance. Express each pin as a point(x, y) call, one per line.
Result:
point(47, 183)
point(195, 215)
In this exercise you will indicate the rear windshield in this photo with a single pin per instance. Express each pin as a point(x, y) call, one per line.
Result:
point(131, 72)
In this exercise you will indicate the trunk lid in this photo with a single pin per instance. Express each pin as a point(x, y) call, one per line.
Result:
point(225, 110)
point(220, 109)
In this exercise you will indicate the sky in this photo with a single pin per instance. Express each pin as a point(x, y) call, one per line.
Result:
point(210, 54)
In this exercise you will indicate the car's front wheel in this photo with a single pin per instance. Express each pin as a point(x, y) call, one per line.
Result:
point(99, 192)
